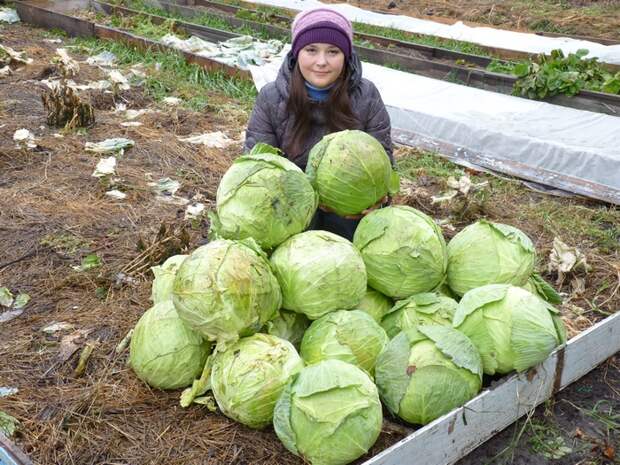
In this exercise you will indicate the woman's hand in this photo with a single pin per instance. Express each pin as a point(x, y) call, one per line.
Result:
point(382, 202)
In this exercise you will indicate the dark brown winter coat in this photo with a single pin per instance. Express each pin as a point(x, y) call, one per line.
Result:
point(271, 123)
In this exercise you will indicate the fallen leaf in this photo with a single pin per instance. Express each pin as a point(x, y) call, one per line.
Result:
point(116, 194)
point(211, 139)
point(89, 262)
point(25, 137)
point(207, 401)
point(70, 343)
point(8, 424)
point(105, 167)
point(21, 300)
point(445, 197)
point(165, 186)
point(566, 259)
point(117, 144)
point(119, 80)
point(103, 59)
point(55, 327)
point(194, 211)
point(172, 101)
point(10, 315)
point(8, 391)
point(69, 64)
point(6, 297)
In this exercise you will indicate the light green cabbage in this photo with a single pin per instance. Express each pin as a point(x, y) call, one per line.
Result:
point(489, 253)
point(428, 308)
point(226, 290)
point(351, 171)
point(164, 278)
point(329, 413)
point(512, 328)
point(375, 304)
point(164, 352)
point(248, 378)
point(538, 286)
point(403, 249)
point(352, 336)
point(319, 272)
point(426, 372)
point(288, 325)
point(263, 196)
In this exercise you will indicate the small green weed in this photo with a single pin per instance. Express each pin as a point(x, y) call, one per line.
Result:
point(171, 73)
point(548, 443)
point(501, 66)
point(600, 223)
point(427, 164)
point(63, 242)
point(211, 20)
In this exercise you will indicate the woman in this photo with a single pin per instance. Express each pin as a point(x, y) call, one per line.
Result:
point(319, 90)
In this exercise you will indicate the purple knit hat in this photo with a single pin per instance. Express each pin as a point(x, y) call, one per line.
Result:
point(322, 25)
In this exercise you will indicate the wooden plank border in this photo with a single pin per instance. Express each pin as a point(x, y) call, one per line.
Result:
point(454, 435)
point(10, 454)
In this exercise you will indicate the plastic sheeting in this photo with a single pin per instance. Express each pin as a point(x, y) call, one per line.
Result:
point(490, 37)
point(569, 149)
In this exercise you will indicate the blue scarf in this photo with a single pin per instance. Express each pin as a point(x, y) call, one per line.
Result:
point(317, 94)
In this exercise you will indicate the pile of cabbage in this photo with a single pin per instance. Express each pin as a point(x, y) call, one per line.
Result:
point(276, 324)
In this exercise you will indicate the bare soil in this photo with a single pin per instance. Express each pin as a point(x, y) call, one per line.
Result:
point(53, 213)
point(577, 418)
point(586, 18)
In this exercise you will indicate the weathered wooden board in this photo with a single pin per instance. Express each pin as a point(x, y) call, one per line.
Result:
point(10, 454)
point(457, 433)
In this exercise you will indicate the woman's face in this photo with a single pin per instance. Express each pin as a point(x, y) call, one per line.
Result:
point(320, 64)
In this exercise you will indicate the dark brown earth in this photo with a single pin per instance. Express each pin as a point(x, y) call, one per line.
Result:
point(584, 418)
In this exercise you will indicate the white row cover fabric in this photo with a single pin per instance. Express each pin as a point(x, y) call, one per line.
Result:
point(569, 149)
point(488, 36)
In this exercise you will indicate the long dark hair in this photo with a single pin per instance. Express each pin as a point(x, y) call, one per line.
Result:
point(337, 108)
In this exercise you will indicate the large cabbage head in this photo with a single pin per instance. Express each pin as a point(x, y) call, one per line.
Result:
point(164, 352)
point(248, 377)
point(489, 253)
point(164, 278)
point(512, 328)
point(329, 413)
point(352, 336)
point(263, 196)
point(319, 272)
point(351, 171)
point(426, 372)
point(403, 249)
point(226, 290)
point(375, 304)
point(288, 325)
point(428, 308)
